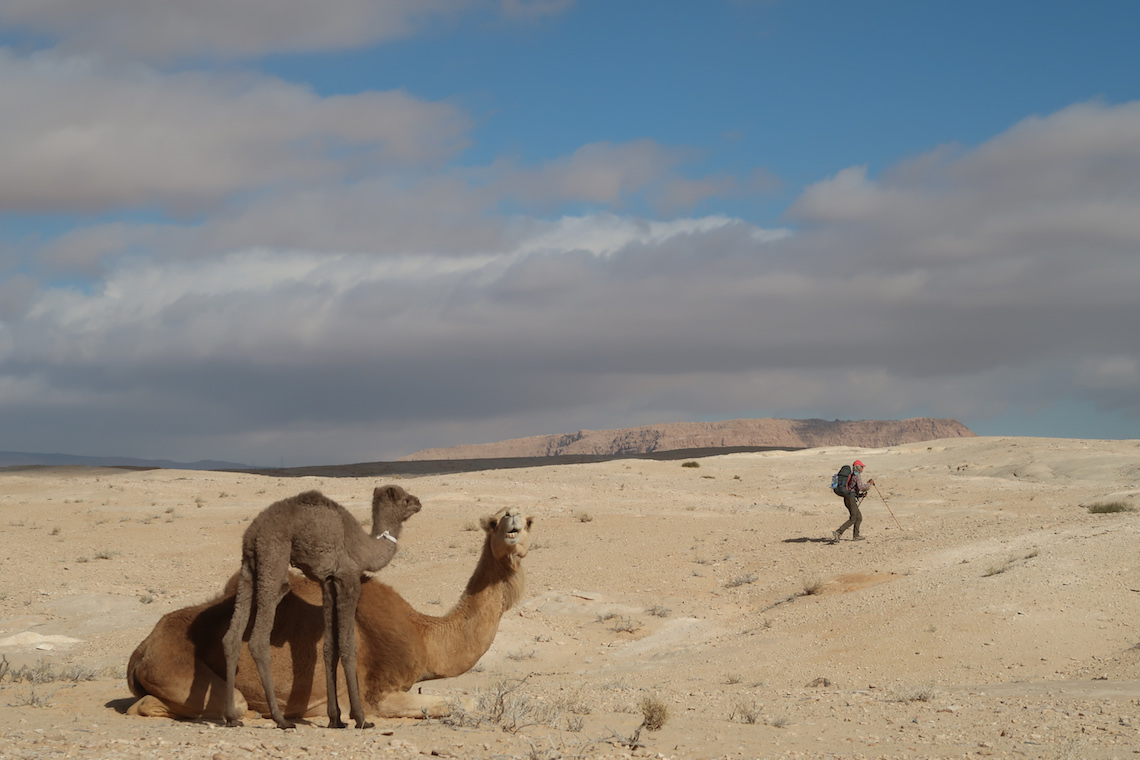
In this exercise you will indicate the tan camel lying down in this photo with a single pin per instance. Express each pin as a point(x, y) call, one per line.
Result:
point(179, 669)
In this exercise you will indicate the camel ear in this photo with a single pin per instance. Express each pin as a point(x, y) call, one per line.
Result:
point(487, 522)
point(392, 493)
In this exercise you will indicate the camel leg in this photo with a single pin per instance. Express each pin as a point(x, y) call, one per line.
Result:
point(347, 598)
point(329, 596)
point(170, 682)
point(231, 642)
point(402, 704)
point(270, 592)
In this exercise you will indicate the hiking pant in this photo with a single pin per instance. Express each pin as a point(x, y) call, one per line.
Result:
point(851, 500)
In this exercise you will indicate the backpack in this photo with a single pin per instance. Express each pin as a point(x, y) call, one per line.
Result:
point(840, 480)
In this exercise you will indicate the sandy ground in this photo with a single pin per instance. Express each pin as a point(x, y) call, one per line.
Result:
point(996, 618)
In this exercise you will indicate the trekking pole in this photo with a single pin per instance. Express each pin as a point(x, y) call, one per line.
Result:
point(876, 485)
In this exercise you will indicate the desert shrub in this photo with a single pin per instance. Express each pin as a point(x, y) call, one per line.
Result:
point(1109, 507)
point(585, 517)
point(77, 673)
point(997, 568)
point(572, 700)
point(625, 625)
point(812, 586)
point(31, 699)
point(690, 464)
point(40, 673)
point(658, 611)
point(1000, 566)
point(655, 713)
point(913, 693)
point(745, 712)
point(741, 580)
point(507, 705)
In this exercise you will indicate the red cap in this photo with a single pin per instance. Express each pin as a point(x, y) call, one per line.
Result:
point(857, 463)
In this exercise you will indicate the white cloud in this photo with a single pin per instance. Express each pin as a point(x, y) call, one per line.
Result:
point(173, 29)
point(78, 136)
point(611, 174)
point(1039, 188)
point(950, 285)
point(165, 31)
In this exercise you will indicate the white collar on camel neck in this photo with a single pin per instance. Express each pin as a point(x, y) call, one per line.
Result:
point(388, 536)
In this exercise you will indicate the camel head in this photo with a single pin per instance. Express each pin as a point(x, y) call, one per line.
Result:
point(508, 533)
point(392, 505)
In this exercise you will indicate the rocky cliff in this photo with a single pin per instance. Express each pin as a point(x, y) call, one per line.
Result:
point(791, 434)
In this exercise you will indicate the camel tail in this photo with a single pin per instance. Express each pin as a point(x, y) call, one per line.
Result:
point(133, 682)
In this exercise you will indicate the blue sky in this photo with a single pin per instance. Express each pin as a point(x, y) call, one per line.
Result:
point(314, 233)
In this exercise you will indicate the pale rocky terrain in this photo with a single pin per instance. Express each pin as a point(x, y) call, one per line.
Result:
point(997, 618)
point(747, 433)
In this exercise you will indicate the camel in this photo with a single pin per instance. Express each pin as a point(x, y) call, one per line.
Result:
point(178, 670)
point(325, 542)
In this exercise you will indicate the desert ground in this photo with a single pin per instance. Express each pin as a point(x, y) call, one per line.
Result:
point(988, 614)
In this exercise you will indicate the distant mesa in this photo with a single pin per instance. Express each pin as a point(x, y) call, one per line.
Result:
point(730, 434)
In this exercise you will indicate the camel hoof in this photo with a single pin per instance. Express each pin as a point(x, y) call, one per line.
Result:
point(364, 724)
point(233, 723)
point(284, 725)
point(337, 724)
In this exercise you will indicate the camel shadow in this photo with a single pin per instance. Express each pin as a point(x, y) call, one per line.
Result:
point(120, 705)
point(807, 540)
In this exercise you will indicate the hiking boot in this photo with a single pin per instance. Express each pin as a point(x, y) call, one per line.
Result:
point(834, 536)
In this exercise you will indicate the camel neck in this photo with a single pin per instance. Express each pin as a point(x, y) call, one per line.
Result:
point(386, 527)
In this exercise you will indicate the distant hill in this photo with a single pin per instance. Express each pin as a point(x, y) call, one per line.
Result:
point(788, 434)
point(21, 459)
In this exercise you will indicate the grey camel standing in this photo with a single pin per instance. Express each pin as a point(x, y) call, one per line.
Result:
point(321, 538)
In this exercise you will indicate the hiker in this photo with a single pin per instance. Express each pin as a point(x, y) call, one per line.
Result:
point(853, 491)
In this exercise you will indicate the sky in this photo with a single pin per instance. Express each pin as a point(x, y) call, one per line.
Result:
point(287, 232)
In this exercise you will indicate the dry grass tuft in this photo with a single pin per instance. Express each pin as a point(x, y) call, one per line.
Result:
point(745, 712)
point(625, 625)
point(812, 586)
point(31, 699)
point(913, 693)
point(741, 580)
point(655, 713)
point(507, 705)
point(1109, 507)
